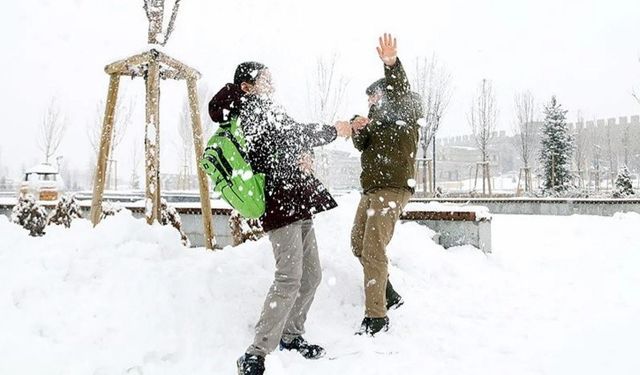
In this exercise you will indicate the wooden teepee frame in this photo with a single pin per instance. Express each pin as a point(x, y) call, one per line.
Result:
point(152, 66)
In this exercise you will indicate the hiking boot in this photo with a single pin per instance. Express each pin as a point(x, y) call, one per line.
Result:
point(250, 364)
point(309, 351)
point(394, 300)
point(371, 326)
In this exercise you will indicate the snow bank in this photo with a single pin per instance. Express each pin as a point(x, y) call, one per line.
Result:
point(127, 298)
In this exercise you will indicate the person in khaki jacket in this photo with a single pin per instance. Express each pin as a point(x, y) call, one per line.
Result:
point(388, 140)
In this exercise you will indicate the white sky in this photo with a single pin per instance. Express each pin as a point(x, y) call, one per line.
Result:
point(584, 51)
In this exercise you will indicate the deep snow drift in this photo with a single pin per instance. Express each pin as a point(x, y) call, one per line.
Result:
point(560, 295)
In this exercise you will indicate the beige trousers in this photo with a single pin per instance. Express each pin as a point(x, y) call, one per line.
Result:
point(373, 227)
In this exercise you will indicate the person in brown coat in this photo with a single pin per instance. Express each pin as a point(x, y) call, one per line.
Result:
point(388, 140)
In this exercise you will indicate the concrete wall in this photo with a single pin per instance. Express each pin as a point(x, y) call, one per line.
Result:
point(457, 233)
point(559, 207)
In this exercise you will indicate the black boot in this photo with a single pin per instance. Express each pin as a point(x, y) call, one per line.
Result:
point(309, 351)
point(394, 300)
point(250, 364)
point(371, 326)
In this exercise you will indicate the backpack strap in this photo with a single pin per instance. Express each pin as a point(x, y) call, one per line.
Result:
point(227, 130)
point(220, 163)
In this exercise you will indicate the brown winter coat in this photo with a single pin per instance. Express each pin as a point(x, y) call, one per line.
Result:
point(389, 143)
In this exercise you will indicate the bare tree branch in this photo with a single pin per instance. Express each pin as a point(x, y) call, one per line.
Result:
point(326, 91)
point(580, 149)
point(185, 131)
point(51, 131)
point(482, 117)
point(155, 14)
point(524, 127)
point(123, 114)
point(433, 83)
point(172, 21)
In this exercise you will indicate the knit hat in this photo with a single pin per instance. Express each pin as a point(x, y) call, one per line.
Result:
point(376, 86)
point(248, 72)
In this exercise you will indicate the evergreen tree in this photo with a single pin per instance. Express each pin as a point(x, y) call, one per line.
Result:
point(556, 149)
point(624, 187)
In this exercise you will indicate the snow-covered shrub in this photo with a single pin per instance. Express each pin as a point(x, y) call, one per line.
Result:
point(109, 209)
point(30, 215)
point(624, 186)
point(243, 229)
point(169, 216)
point(65, 211)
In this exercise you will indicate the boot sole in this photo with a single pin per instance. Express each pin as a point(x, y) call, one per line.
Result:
point(396, 305)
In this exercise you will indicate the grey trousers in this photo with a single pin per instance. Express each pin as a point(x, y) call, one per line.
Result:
point(297, 277)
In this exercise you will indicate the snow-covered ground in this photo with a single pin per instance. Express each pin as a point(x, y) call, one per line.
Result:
point(559, 295)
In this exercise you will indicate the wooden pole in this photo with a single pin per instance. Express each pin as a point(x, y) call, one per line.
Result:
point(519, 179)
point(152, 142)
point(484, 178)
point(105, 140)
point(425, 173)
point(209, 235)
point(430, 177)
point(475, 182)
point(488, 178)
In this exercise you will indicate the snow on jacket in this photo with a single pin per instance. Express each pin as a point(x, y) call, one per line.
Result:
point(389, 142)
point(276, 143)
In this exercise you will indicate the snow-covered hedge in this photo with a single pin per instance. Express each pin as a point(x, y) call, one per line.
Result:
point(169, 216)
point(65, 211)
point(30, 215)
point(244, 230)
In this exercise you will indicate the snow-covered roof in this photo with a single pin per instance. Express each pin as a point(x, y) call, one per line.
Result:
point(43, 168)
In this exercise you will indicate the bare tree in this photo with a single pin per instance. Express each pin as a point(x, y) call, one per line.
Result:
point(51, 131)
point(525, 125)
point(596, 155)
point(124, 113)
point(611, 155)
point(186, 146)
point(325, 96)
point(482, 117)
point(155, 14)
point(433, 83)
point(326, 90)
point(581, 146)
point(134, 181)
point(525, 130)
point(625, 141)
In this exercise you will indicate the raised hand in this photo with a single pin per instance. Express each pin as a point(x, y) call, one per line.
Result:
point(359, 123)
point(388, 49)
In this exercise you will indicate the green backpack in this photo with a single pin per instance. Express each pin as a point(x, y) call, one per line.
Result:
point(224, 160)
